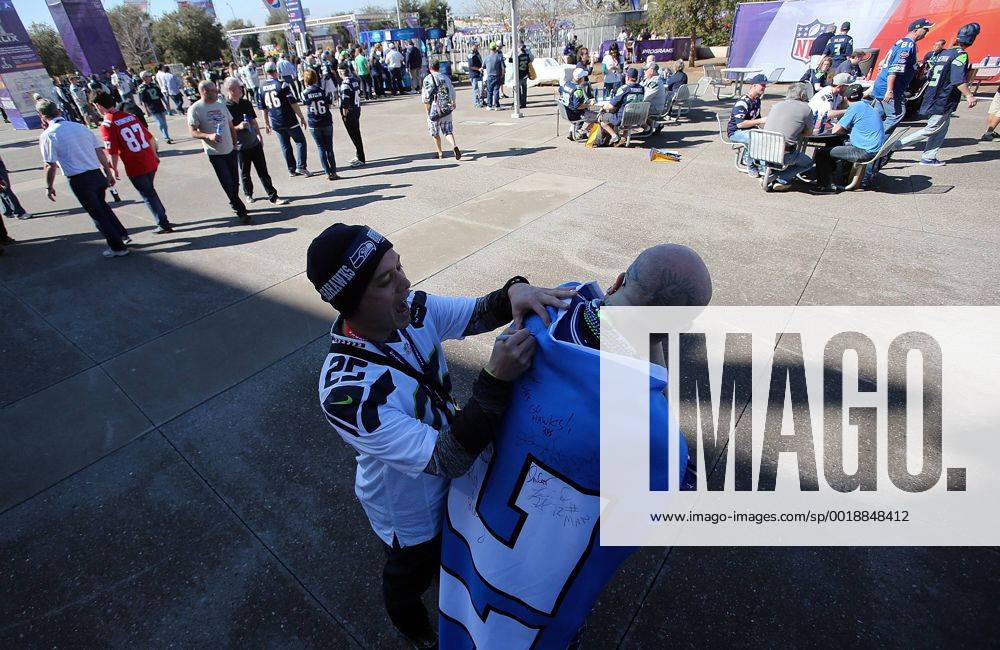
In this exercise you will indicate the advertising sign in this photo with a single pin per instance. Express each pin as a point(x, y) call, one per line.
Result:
point(86, 32)
point(21, 69)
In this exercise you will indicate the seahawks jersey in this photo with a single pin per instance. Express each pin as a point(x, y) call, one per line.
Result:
point(901, 62)
point(839, 48)
point(949, 69)
point(392, 421)
point(521, 562)
point(318, 104)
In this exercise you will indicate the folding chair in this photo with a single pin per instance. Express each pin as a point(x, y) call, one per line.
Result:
point(679, 103)
point(767, 149)
point(633, 120)
point(703, 85)
point(723, 119)
point(717, 81)
point(774, 77)
point(857, 173)
point(562, 112)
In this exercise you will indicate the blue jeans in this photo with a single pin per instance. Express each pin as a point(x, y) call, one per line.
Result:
point(89, 188)
point(323, 136)
point(161, 121)
point(892, 112)
point(285, 136)
point(477, 90)
point(796, 162)
point(935, 132)
point(144, 186)
point(11, 206)
point(493, 91)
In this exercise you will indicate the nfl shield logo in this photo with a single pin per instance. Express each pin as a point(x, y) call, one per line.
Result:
point(804, 37)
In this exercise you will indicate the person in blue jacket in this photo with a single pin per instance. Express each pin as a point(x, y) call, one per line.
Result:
point(898, 70)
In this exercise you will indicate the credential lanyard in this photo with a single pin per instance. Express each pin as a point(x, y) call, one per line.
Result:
point(444, 401)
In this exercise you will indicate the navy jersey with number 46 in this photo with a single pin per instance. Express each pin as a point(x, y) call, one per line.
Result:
point(318, 105)
point(276, 96)
point(521, 562)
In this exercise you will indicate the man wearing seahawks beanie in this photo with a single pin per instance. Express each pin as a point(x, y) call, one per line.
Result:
point(385, 389)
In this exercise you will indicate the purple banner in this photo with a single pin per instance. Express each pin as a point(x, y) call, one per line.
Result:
point(86, 31)
point(749, 26)
point(22, 71)
point(667, 49)
point(296, 17)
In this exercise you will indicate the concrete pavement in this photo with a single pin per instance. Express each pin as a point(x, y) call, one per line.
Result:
point(166, 475)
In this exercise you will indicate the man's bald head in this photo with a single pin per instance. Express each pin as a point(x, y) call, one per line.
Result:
point(668, 275)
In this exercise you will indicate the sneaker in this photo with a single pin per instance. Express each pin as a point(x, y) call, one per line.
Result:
point(989, 136)
point(357, 163)
point(249, 198)
point(458, 153)
point(294, 172)
point(9, 215)
point(332, 177)
point(169, 141)
point(304, 172)
point(275, 200)
point(109, 253)
point(753, 172)
point(822, 189)
point(23, 216)
point(932, 163)
point(244, 218)
point(126, 240)
point(615, 142)
point(161, 230)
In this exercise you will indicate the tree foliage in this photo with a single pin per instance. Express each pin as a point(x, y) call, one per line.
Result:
point(188, 35)
point(50, 48)
point(251, 41)
point(276, 38)
point(709, 19)
point(131, 26)
point(433, 13)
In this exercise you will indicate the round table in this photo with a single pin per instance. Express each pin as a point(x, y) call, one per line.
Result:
point(740, 75)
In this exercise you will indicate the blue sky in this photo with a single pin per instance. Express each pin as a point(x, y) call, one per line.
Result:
point(252, 10)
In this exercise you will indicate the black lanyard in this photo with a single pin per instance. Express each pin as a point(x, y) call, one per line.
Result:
point(439, 395)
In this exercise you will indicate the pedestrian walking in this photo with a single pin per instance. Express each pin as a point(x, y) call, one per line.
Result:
point(476, 75)
point(209, 121)
point(127, 140)
point(79, 153)
point(415, 62)
point(439, 101)
point(11, 205)
point(283, 115)
point(394, 61)
point(319, 104)
point(154, 102)
point(251, 150)
point(350, 111)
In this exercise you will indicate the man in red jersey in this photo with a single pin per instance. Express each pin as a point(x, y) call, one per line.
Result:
point(126, 139)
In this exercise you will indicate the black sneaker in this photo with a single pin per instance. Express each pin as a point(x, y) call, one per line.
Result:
point(989, 136)
point(822, 189)
point(293, 173)
point(332, 177)
point(458, 153)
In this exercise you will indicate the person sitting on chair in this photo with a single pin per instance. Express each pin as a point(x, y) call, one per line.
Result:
point(654, 92)
point(821, 75)
point(851, 66)
point(793, 119)
point(677, 76)
point(614, 109)
point(867, 135)
point(745, 116)
point(573, 96)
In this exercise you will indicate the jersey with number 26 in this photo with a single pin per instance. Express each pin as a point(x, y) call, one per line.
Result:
point(124, 134)
point(521, 560)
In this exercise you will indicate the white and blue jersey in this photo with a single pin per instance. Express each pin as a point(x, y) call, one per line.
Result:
point(902, 62)
point(521, 563)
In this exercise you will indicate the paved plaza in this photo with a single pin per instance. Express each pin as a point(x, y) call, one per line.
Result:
point(167, 477)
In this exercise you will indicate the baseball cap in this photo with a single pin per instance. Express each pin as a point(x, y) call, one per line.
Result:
point(843, 79)
point(921, 23)
point(757, 79)
point(846, 26)
point(270, 67)
point(967, 34)
point(579, 73)
point(632, 73)
point(855, 93)
point(341, 262)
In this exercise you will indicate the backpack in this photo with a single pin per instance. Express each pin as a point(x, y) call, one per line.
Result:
point(442, 106)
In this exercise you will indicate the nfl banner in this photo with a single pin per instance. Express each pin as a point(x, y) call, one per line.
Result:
point(21, 71)
point(86, 31)
point(770, 35)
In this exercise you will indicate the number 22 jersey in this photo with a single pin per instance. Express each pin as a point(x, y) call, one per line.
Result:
point(521, 560)
point(124, 134)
